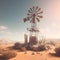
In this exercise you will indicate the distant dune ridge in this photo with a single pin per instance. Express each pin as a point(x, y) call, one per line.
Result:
point(6, 41)
point(3, 40)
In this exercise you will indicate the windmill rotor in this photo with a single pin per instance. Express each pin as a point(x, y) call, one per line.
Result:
point(34, 12)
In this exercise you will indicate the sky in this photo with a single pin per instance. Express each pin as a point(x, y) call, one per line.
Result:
point(12, 13)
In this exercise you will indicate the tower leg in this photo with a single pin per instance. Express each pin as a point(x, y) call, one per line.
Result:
point(33, 39)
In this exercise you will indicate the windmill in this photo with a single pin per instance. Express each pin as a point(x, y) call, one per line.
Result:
point(33, 16)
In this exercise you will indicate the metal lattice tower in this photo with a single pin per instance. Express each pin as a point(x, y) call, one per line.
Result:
point(34, 15)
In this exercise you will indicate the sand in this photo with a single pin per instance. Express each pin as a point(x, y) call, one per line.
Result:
point(37, 56)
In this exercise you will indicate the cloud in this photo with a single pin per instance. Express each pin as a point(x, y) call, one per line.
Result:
point(3, 28)
point(10, 33)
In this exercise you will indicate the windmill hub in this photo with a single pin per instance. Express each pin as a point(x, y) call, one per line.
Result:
point(34, 15)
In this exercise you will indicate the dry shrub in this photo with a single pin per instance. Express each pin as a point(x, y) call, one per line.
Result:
point(5, 55)
point(42, 45)
point(23, 49)
point(52, 43)
point(48, 47)
point(41, 48)
point(57, 50)
point(1, 50)
point(34, 49)
point(28, 47)
point(17, 46)
point(42, 42)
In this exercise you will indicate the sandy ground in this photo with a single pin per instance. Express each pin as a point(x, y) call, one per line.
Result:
point(41, 56)
point(28, 56)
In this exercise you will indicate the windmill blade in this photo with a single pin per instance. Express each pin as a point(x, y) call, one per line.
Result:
point(36, 7)
point(33, 7)
point(38, 19)
point(25, 19)
point(28, 14)
point(40, 16)
point(40, 12)
point(29, 11)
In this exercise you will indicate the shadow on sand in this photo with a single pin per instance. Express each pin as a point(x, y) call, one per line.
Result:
point(2, 58)
point(54, 54)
